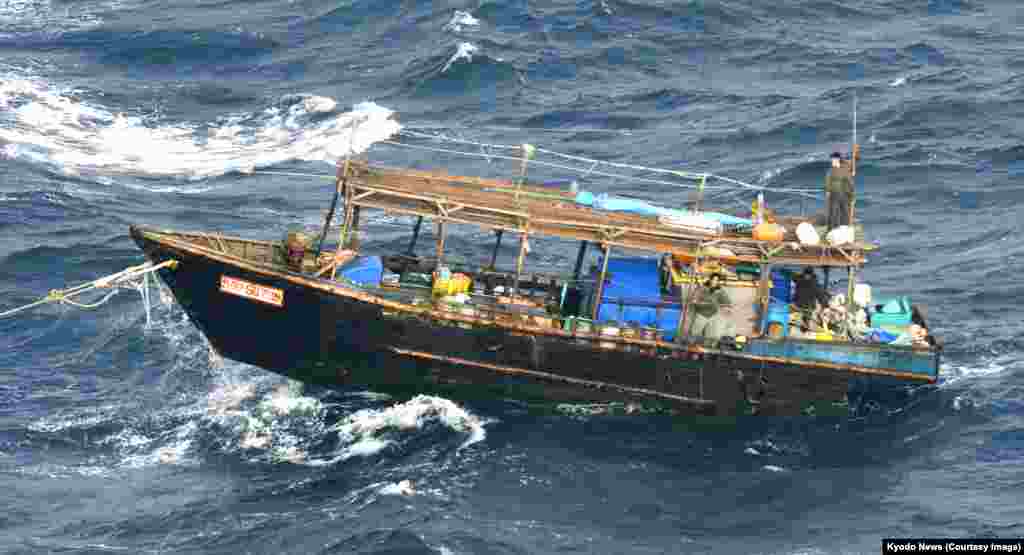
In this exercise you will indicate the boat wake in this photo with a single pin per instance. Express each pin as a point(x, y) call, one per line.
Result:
point(205, 406)
point(67, 133)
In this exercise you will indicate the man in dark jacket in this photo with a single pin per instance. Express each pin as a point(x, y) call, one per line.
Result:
point(838, 193)
point(809, 295)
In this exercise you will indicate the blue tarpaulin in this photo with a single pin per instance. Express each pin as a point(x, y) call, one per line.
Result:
point(364, 270)
point(618, 204)
point(631, 294)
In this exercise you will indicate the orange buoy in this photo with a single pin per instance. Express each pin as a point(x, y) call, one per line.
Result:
point(768, 232)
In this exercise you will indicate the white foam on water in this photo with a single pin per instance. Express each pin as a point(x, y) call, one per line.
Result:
point(228, 399)
point(459, 19)
point(21, 17)
point(287, 399)
point(773, 468)
point(173, 452)
point(46, 126)
point(751, 451)
point(464, 51)
point(404, 487)
point(950, 374)
point(62, 421)
point(898, 82)
point(360, 433)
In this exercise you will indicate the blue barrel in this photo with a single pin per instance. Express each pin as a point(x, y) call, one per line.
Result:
point(778, 313)
point(782, 287)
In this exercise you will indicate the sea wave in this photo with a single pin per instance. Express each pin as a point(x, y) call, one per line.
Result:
point(47, 126)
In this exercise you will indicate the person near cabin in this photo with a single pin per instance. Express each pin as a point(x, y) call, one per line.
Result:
point(839, 193)
point(808, 296)
point(709, 309)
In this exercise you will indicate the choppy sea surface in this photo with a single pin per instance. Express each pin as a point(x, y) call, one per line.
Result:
point(118, 437)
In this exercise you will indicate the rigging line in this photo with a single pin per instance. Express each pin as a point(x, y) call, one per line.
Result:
point(456, 140)
point(678, 173)
point(549, 164)
point(294, 174)
point(577, 158)
point(532, 129)
point(605, 174)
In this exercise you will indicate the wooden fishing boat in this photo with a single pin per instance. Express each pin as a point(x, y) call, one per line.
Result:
point(408, 322)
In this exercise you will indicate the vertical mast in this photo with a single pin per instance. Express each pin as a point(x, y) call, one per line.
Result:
point(854, 154)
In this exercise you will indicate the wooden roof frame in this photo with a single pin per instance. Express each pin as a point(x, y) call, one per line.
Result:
point(502, 205)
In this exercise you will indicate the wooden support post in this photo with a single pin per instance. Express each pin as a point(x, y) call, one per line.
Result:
point(852, 276)
point(764, 296)
point(497, 245)
point(343, 234)
point(519, 262)
point(339, 185)
point(579, 261)
point(353, 239)
point(415, 236)
point(600, 282)
point(347, 223)
point(700, 191)
point(442, 230)
point(528, 151)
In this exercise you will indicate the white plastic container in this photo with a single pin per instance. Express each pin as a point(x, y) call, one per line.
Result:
point(862, 294)
point(807, 235)
point(841, 235)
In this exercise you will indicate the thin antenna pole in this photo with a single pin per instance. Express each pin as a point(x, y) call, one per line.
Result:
point(854, 118)
point(854, 154)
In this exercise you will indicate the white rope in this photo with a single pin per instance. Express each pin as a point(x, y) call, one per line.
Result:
point(801, 192)
point(688, 175)
point(548, 129)
point(122, 279)
point(454, 140)
point(594, 163)
point(549, 164)
point(96, 304)
point(293, 174)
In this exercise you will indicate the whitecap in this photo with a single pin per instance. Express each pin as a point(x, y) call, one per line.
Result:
point(464, 51)
point(404, 487)
point(460, 18)
point(75, 137)
point(950, 374)
point(898, 82)
point(773, 468)
point(360, 433)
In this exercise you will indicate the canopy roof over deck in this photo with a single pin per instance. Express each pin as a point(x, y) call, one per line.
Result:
point(502, 205)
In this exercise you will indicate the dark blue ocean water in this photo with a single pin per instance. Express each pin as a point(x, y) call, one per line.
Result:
point(121, 438)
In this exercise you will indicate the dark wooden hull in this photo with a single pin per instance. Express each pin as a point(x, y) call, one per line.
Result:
point(328, 333)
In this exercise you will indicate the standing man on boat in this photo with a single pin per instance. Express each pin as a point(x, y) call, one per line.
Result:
point(838, 193)
point(707, 320)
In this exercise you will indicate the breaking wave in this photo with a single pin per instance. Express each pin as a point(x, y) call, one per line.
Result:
point(53, 128)
point(459, 20)
point(462, 68)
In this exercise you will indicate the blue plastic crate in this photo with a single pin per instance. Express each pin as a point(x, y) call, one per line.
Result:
point(892, 313)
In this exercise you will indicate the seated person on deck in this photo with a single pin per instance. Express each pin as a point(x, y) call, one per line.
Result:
point(706, 313)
